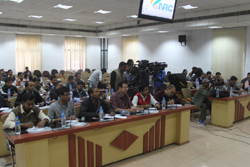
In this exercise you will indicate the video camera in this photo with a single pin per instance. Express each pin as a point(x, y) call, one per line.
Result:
point(141, 72)
point(217, 82)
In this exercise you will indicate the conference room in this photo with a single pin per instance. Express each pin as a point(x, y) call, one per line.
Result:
point(77, 35)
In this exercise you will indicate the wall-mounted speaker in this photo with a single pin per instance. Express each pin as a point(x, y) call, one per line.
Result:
point(182, 38)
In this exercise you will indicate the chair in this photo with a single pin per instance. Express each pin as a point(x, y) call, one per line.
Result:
point(77, 108)
point(62, 72)
point(11, 102)
point(186, 97)
point(45, 110)
point(10, 147)
point(54, 72)
point(46, 74)
point(37, 73)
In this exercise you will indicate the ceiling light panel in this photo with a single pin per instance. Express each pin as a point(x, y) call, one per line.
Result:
point(188, 7)
point(17, 1)
point(34, 16)
point(102, 12)
point(63, 6)
point(69, 19)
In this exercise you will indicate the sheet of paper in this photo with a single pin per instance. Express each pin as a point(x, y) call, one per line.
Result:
point(119, 116)
point(109, 117)
point(4, 108)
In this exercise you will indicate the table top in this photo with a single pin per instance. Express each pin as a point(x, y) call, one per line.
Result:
point(230, 98)
point(28, 137)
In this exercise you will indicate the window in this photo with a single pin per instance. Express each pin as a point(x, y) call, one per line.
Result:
point(75, 53)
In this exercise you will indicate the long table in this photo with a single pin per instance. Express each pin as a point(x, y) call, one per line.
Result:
point(102, 143)
point(227, 110)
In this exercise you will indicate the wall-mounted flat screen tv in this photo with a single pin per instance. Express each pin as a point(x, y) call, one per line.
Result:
point(158, 10)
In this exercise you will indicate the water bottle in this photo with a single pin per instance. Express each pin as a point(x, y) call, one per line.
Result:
point(17, 126)
point(217, 93)
point(197, 84)
point(112, 91)
point(101, 115)
point(231, 91)
point(23, 83)
point(41, 79)
point(43, 83)
point(9, 93)
point(70, 87)
point(249, 89)
point(58, 98)
point(90, 84)
point(28, 79)
point(63, 119)
point(107, 92)
point(163, 103)
point(71, 95)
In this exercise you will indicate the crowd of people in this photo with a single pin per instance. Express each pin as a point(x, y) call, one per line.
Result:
point(60, 97)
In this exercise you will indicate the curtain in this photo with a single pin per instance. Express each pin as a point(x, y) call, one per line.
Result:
point(29, 52)
point(130, 48)
point(228, 52)
point(75, 53)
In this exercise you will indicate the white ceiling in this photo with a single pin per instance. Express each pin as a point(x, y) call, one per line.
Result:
point(83, 11)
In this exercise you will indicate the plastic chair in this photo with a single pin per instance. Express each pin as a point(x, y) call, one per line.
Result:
point(10, 147)
point(11, 102)
point(37, 73)
point(46, 74)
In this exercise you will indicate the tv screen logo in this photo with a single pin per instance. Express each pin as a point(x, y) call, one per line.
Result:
point(158, 5)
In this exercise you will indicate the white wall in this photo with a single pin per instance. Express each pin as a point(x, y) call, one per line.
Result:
point(8, 51)
point(247, 60)
point(114, 53)
point(93, 53)
point(166, 48)
point(53, 53)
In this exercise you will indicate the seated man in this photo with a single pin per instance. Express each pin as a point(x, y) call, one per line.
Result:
point(185, 72)
point(246, 82)
point(169, 94)
point(71, 82)
point(144, 99)
point(3, 102)
point(90, 106)
point(120, 100)
point(201, 101)
point(10, 75)
point(79, 92)
point(29, 88)
point(203, 75)
point(78, 78)
point(2, 83)
point(19, 83)
point(96, 78)
point(27, 113)
point(209, 76)
point(64, 104)
point(166, 77)
point(52, 94)
point(52, 82)
point(8, 85)
point(232, 83)
point(38, 87)
point(26, 70)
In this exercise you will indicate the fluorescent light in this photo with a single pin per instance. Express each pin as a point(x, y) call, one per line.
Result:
point(35, 16)
point(125, 35)
point(215, 27)
point(17, 1)
point(1, 12)
point(99, 22)
point(162, 31)
point(187, 7)
point(63, 6)
point(133, 16)
point(78, 36)
point(102, 12)
point(69, 19)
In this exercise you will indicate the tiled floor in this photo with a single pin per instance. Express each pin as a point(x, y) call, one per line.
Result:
point(209, 146)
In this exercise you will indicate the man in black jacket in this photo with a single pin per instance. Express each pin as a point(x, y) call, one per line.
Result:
point(29, 88)
point(8, 85)
point(90, 106)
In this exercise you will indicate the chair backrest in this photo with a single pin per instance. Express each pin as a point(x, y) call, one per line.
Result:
point(4, 117)
point(45, 111)
point(37, 73)
point(77, 108)
point(240, 85)
point(186, 93)
point(46, 74)
point(11, 102)
point(54, 72)
point(190, 84)
point(67, 72)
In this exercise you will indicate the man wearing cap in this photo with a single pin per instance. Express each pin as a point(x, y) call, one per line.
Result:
point(201, 101)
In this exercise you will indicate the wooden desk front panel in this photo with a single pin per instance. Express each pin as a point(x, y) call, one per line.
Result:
point(97, 143)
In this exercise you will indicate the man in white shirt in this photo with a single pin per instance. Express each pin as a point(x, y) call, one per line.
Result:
point(144, 99)
point(96, 77)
